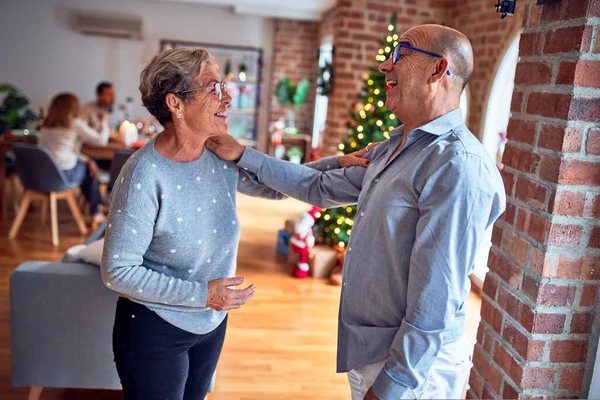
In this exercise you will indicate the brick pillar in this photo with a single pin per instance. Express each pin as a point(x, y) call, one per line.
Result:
point(295, 56)
point(537, 337)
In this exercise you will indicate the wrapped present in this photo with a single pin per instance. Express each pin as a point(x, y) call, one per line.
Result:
point(336, 277)
point(290, 226)
point(283, 240)
point(322, 260)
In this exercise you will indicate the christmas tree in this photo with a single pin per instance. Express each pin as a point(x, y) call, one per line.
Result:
point(372, 123)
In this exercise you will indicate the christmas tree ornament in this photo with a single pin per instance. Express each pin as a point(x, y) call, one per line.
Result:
point(302, 241)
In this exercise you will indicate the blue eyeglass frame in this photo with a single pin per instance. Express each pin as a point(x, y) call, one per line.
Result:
point(396, 53)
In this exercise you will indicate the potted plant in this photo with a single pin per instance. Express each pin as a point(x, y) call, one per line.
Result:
point(295, 155)
point(292, 95)
point(14, 113)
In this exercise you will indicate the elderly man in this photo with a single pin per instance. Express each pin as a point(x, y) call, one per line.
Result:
point(424, 202)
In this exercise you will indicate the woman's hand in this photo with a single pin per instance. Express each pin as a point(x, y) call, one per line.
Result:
point(225, 147)
point(355, 159)
point(93, 168)
point(222, 298)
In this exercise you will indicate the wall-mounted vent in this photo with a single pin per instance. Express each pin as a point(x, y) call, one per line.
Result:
point(108, 25)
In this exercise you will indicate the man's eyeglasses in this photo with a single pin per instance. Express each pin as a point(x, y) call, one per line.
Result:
point(218, 87)
point(397, 53)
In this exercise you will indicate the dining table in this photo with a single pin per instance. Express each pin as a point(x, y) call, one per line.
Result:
point(106, 152)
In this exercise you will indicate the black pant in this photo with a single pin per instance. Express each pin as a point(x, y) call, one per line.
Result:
point(90, 187)
point(158, 361)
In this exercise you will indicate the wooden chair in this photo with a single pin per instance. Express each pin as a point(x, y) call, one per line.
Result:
point(42, 179)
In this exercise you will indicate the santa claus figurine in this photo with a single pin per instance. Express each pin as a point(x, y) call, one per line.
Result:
point(303, 240)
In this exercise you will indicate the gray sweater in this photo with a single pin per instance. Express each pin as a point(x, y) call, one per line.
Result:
point(172, 228)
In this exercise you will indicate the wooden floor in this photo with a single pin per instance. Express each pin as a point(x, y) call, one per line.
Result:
point(280, 346)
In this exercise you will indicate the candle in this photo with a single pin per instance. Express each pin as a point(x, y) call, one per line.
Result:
point(128, 133)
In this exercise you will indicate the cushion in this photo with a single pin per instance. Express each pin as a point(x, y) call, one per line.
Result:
point(90, 253)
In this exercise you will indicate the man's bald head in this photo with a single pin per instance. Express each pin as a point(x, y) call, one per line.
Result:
point(449, 43)
point(419, 88)
point(455, 46)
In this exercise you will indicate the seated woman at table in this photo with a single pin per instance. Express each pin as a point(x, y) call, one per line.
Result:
point(63, 133)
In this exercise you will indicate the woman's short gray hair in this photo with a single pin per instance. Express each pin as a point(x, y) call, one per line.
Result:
point(171, 71)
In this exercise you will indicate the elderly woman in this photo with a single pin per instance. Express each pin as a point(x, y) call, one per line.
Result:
point(173, 233)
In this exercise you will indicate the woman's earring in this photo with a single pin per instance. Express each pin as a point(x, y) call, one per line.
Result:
point(180, 115)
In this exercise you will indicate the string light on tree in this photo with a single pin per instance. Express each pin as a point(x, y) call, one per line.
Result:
point(372, 123)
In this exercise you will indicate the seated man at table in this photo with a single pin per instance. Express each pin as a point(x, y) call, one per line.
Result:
point(63, 133)
point(93, 112)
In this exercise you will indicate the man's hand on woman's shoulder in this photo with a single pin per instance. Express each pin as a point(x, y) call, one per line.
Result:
point(225, 147)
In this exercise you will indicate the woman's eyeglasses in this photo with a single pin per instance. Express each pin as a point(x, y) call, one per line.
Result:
point(218, 87)
point(397, 53)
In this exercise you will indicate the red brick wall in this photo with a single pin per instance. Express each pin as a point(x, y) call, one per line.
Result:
point(490, 37)
point(295, 55)
point(540, 296)
point(358, 28)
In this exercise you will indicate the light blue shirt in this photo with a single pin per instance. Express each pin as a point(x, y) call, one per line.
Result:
point(420, 220)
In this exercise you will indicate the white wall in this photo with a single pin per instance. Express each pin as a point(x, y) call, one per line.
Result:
point(595, 384)
point(42, 55)
point(498, 108)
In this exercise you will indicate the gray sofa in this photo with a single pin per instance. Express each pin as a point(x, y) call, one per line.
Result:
point(61, 327)
point(62, 317)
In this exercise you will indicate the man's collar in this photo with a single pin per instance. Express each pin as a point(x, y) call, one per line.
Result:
point(444, 124)
point(438, 126)
point(108, 110)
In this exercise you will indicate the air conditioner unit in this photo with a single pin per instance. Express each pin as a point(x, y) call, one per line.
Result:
point(108, 25)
